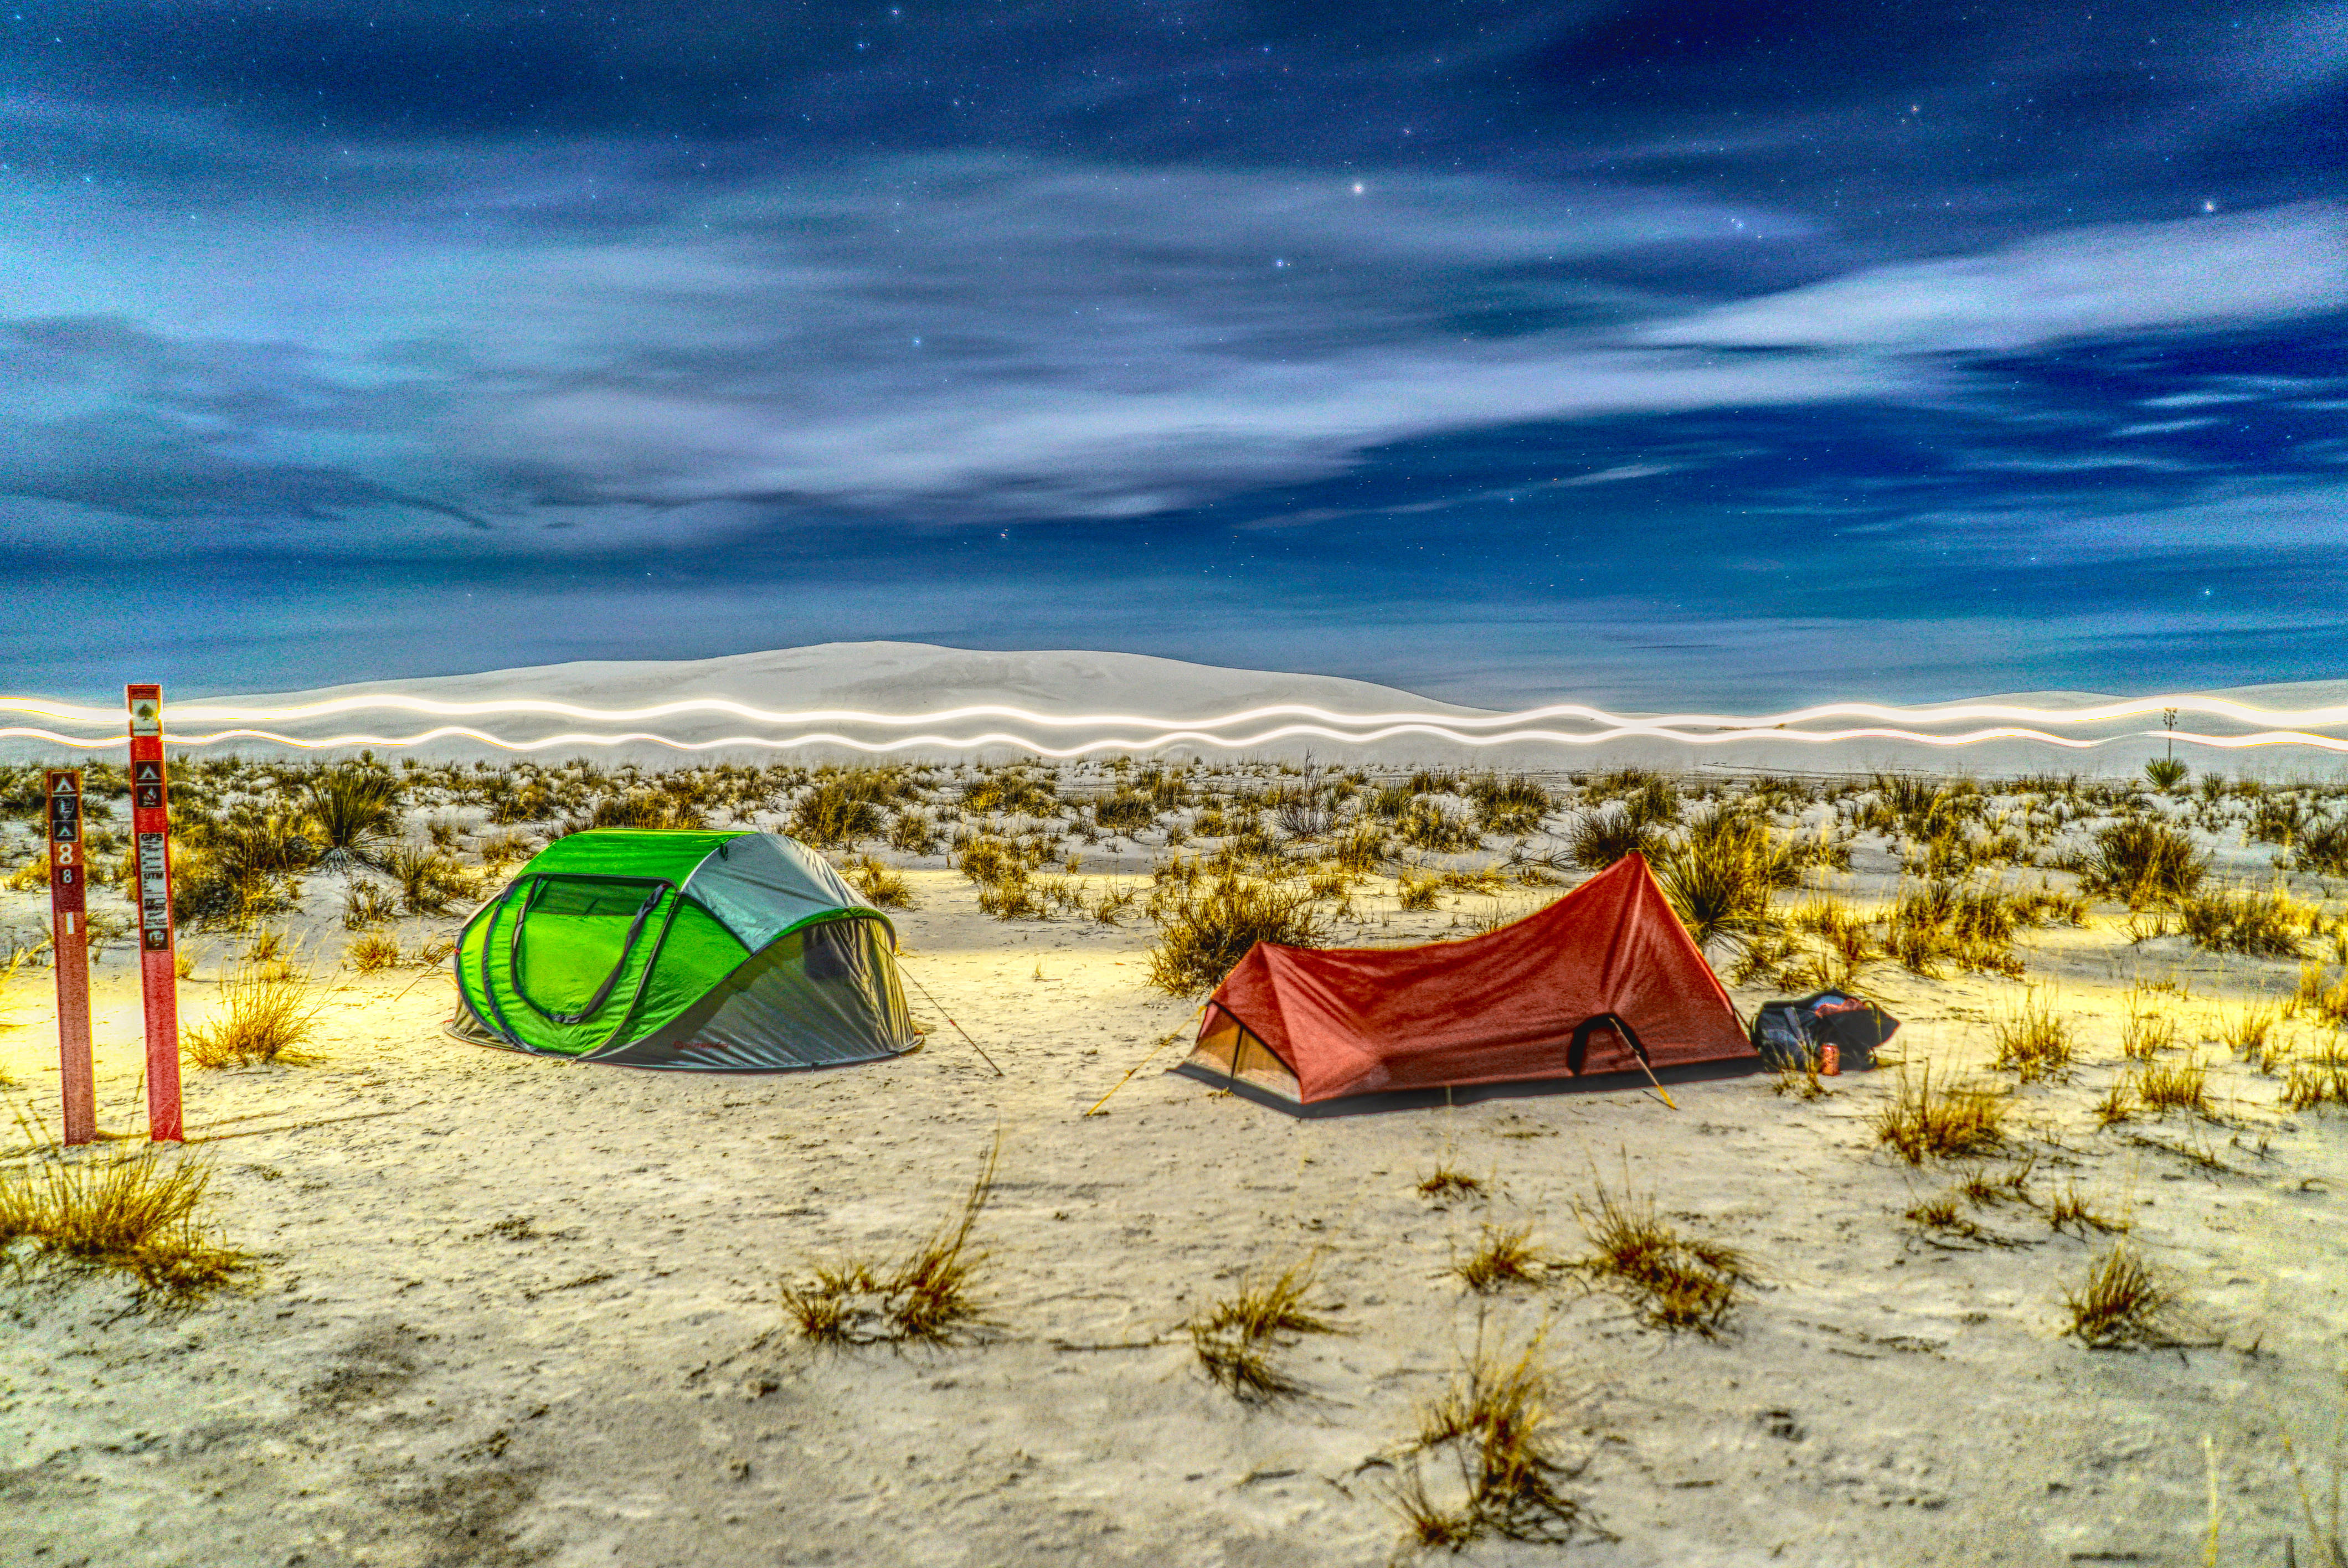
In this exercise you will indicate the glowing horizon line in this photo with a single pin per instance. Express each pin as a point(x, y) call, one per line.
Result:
point(948, 742)
point(2216, 707)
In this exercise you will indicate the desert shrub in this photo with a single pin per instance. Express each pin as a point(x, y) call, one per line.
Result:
point(833, 813)
point(640, 808)
point(1510, 806)
point(912, 831)
point(1203, 932)
point(883, 885)
point(135, 1210)
point(2034, 1042)
point(2265, 925)
point(1490, 1438)
point(2142, 862)
point(530, 801)
point(1127, 810)
point(2323, 847)
point(2165, 773)
point(371, 953)
point(1414, 892)
point(265, 1014)
point(502, 849)
point(1237, 1337)
point(1425, 826)
point(1675, 1281)
point(927, 1295)
point(1648, 798)
point(1360, 850)
point(1943, 921)
point(353, 808)
point(1013, 790)
point(1920, 1123)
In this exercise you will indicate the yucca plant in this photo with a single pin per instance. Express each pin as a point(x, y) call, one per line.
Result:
point(354, 809)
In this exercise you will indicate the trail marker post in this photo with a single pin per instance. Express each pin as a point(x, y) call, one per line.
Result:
point(70, 944)
point(151, 828)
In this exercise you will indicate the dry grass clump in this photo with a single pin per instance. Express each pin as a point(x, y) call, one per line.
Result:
point(2319, 1081)
point(1504, 1255)
point(2325, 1001)
point(2173, 1086)
point(265, 1014)
point(136, 1211)
point(373, 953)
point(927, 1297)
point(1943, 921)
point(1958, 1120)
point(844, 807)
point(1418, 892)
point(1489, 1440)
point(1237, 1337)
point(1444, 1181)
point(1202, 932)
point(2119, 1303)
point(2071, 1209)
point(883, 885)
point(2034, 1042)
point(2149, 1030)
point(365, 904)
point(2264, 925)
point(1720, 878)
point(2142, 862)
point(2249, 1032)
point(352, 808)
point(429, 880)
point(1604, 836)
point(501, 850)
point(1675, 1281)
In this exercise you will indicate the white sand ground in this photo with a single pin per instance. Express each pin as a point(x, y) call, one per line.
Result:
point(514, 1311)
point(908, 678)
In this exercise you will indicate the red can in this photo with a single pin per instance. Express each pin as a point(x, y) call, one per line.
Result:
point(1831, 1062)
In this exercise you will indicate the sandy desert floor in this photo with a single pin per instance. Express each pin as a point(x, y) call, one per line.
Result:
point(520, 1311)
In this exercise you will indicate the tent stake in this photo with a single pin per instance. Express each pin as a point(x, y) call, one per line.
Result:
point(1654, 1080)
point(950, 1018)
point(1136, 1068)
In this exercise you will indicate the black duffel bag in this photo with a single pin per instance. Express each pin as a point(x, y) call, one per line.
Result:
point(1790, 1034)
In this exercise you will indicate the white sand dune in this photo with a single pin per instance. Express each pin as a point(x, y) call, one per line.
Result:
point(916, 679)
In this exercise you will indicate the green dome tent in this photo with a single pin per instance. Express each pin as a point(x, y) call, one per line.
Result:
point(724, 951)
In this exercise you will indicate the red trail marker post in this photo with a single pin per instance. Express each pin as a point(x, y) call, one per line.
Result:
point(150, 827)
point(69, 942)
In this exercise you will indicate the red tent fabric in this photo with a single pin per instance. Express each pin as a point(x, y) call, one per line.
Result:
point(1494, 1008)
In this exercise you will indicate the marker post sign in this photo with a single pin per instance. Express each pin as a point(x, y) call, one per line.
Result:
point(151, 829)
point(69, 941)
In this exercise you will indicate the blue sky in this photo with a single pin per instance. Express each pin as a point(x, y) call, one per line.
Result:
point(1663, 353)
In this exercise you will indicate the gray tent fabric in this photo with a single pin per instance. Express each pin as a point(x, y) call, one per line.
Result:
point(823, 988)
point(761, 884)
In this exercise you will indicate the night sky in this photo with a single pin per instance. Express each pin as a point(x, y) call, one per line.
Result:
point(1657, 353)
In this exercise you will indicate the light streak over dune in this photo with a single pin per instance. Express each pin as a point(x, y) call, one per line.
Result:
point(2134, 707)
point(1201, 737)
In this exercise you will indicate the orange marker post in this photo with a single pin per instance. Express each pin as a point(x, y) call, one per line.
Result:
point(69, 941)
point(150, 827)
